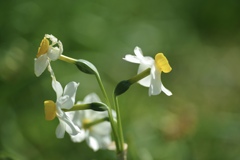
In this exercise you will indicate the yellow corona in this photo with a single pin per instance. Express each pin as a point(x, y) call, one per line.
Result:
point(50, 110)
point(44, 45)
point(162, 63)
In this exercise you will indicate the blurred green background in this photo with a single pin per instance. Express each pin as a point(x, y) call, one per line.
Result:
point(200, 38)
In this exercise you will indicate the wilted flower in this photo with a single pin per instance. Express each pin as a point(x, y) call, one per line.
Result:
point(46, 53)
point(157, 66)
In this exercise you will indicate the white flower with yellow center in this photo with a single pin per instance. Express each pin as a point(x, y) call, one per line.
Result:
point(97, 131)
point(158, 65)
point(46, 53)
point(65, 100)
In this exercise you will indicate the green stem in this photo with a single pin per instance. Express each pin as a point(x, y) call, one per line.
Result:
point(77, 107)
point(67, 59)
point(113, 123)
point(102, 88)
point(119, 125)
point(140, 76)
point(90, 124)
point(122, 87)
point(122, 155)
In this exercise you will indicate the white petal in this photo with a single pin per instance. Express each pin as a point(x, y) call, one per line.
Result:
point(40, 64)
point(138, 52)
point(52, 38)
point(90, 114)
point(102, 140)
point(68, 98)
point(102, 129)
point(142, 67)
point(131, 58)
point(57, 87)
point(60, 131)
point(60, 47)
point(79, 137)
point(65, 102)
point(166, 91)
point(92, 142)
point(75, 117)
point(147, 80)
point(155, 86)
point(54, 53)
point(68, 125)
point(106, 141)
point(70, 114)
point(79, 102)
point(148, 61)
point(92, 97)
point(71, 128)
point(71, 89)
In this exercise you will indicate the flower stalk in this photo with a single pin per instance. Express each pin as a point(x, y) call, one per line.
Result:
point(67, 59)
point(140, 76)
point(119, 125)
point(90, 124)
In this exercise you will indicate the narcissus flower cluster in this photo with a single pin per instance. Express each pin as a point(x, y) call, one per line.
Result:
point(91, 120)
point(98, 136)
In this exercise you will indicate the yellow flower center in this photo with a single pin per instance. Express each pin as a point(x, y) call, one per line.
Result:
point(50, 110)
point(44, 45)
point(162, 63)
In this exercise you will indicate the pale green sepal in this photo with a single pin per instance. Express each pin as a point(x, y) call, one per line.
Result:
point(96, 106)
point(86, 67)
point(122, 87)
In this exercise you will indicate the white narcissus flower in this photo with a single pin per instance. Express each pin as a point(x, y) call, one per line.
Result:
point(158, 65)
point(46, 53)
point(97, 136)
point(65, 100)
